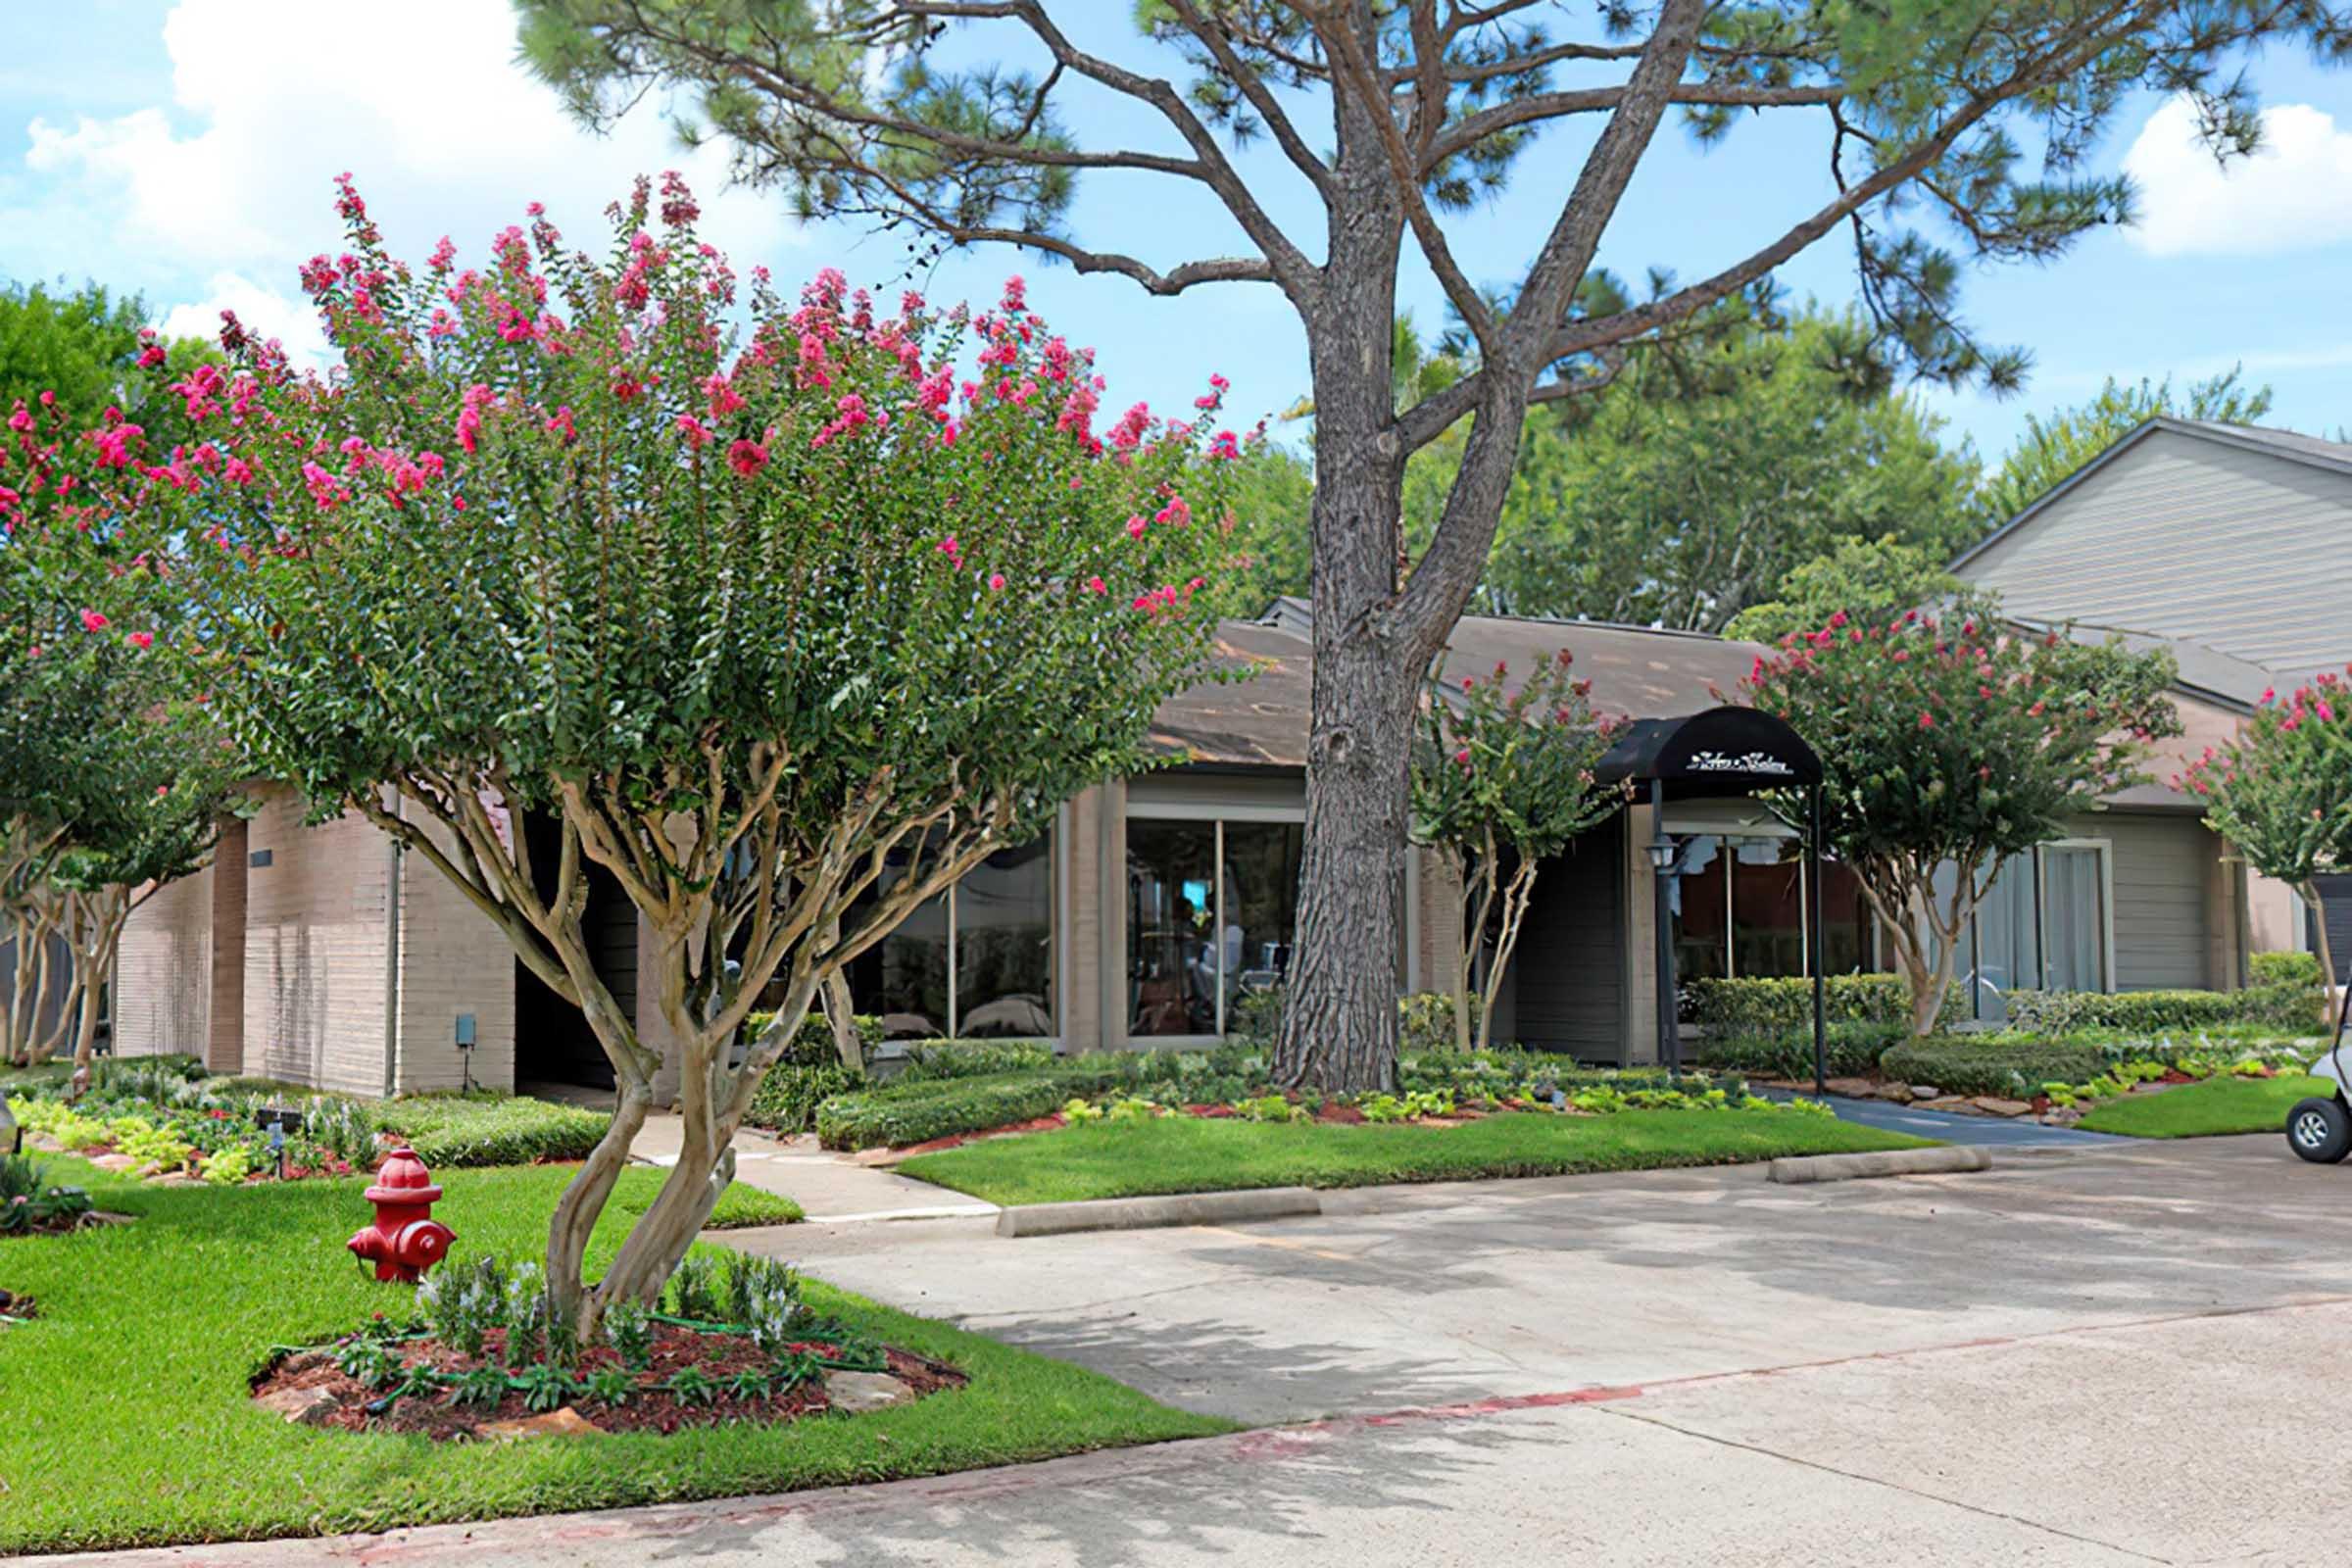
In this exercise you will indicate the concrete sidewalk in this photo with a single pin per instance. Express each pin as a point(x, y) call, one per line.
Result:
point(831, 1189)
point(2069, 1451)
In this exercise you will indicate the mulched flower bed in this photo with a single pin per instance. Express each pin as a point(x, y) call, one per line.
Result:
point(720, 1354)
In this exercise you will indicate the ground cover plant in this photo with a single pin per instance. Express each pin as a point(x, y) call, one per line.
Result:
point(2215, 1108)
point(2066, 1071)
point(31, 1204)
point(162, 1115)
point(1134, 1158)
point(207, 1287)
point(486, 1346)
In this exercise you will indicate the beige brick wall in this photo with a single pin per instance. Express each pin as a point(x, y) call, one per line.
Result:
point(1437, 922)
point(452, 961)
point(315, 968)
point(225, 1039)
point(164, 976)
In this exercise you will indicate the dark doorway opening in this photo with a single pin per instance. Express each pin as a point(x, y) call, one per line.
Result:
point(553, 1042)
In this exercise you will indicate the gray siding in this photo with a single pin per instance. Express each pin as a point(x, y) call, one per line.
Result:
point(2189, 537)
point(2163, 923)
point(1568, 977)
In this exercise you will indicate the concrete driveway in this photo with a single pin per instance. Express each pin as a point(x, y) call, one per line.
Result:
point(2094, 1358)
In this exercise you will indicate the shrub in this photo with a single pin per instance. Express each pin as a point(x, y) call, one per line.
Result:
point(2286, 969)
point(2013, 1070)
point(2018, 1068)
point(487, 1128)
point(2284, 1005)
point(918, 1109)
point(1255, 1015)
point(1852, 1046)
point(1481, 1075)
point(1761, 1007)
point(940, 1059)
point(809, 1071)
point(918, 1112)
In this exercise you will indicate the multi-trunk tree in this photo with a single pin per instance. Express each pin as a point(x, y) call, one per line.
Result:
point(1389, 117)
point(2281, 791)
point(783, 612)
point(1502, 779)
point(1949, 744)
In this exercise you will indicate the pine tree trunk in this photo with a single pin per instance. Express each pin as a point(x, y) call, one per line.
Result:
point(1339, 1020)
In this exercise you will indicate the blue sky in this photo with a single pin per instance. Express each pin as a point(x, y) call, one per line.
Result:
point(184, 148)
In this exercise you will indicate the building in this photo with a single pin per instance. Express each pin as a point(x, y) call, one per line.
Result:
point(2228, 543)
point(1157, 904)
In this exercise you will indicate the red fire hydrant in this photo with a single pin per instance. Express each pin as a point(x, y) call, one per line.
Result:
point(406, 1239)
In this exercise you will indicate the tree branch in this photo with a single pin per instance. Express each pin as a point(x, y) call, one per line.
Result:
point(1468, 131)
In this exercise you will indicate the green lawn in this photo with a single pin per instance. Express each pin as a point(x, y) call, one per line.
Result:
point(1192, 1154)
point(125, 1418)
point(2216, 1106)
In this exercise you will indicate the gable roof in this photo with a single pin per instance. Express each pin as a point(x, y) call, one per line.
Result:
point(2335, 456)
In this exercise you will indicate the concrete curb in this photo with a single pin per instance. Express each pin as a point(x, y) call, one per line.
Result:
point(1145, 1213)
point(1888, 1162)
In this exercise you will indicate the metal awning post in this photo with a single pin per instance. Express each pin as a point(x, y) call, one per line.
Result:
point(1813, 941)
point(1662, 861)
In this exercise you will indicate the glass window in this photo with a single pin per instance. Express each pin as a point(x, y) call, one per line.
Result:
point(2008, 948)
point(1003, 911)
point(1844, 921)
point(1172, 945)
point(1261, 905)
point(1768, 921)
point(2074, 917)
point(1700, 901)
point(903, 979)
point(977, 960)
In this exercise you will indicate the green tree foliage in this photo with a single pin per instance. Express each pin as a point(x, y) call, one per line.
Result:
point(1502, 777)
point(1872, 580)
point(1691, 487)
point(2281, 791)
point(92, 350)
point(783, 626)
point(1943, 131)
point(2054, 446)
point(1949, 744)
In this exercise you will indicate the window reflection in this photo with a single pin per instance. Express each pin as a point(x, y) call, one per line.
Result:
point(1004, 945)
point(1172, 949)
point(1261, 906)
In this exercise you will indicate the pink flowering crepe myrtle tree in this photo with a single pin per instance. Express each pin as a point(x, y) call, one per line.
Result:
point(108, 789)
point(2282, 792)
point(785, 626)
point(1504, 777)
point(1950, 744)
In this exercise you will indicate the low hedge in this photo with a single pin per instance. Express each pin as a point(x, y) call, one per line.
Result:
point(1511, 1071)
point(900, 1114)
point(486, 1128)
point(2289, 1004)
point(1852, 1046)
point(940, 1059)
point(2012, 1071)
point(1761, 1007)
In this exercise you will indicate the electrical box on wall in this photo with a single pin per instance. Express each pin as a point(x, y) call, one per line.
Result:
point(464, 1030)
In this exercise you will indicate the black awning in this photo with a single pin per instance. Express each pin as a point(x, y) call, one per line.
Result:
point(1724, 750)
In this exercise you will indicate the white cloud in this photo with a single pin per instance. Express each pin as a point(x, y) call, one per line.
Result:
point(231, 182)
point(2293, 193)
point(262, 311)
